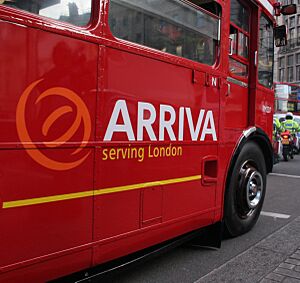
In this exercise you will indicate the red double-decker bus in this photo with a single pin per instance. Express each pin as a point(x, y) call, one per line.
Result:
point(125, 124)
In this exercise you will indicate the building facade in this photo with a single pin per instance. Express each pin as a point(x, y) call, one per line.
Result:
point(287, 67)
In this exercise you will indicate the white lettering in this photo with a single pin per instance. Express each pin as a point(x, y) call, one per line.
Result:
point(120, 107)
point(209, 119)
point(181, 124)
point(166, 124)
point(214, 81)
point(194, 132)
point(145, 123)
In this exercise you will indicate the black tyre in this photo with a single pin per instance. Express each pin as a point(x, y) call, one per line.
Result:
point(286, 151)
point(246, 191)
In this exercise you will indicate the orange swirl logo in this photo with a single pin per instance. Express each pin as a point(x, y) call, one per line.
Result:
point(82, 115)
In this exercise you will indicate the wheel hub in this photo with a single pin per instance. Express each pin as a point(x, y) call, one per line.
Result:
point(254, 189)
point(250, 189)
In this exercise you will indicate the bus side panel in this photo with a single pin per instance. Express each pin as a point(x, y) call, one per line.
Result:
point(118, 246)
point(236, 110)
point(264, 110)
point(129, 175)
point(47, 81)
point(51, 269)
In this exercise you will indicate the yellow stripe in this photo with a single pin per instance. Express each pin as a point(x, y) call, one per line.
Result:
point(33, 201)
point(146, 185)
point(25, 202)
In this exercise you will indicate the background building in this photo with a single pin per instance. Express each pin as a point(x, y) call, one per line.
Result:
point(287, 65)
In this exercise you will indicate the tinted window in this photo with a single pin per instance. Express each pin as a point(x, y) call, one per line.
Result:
point(239, 39)
point(239, 15)
point(266, 52)
point(77, 12)
point(237, 68)
point(170, 26)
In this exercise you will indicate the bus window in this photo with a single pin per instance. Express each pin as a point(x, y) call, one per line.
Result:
point(169, 26)
point(243, 45)
point(76, 12)
point(266, 52)
point(237, 68)
point(239, 39)
point(209, 5)
point(239, 15)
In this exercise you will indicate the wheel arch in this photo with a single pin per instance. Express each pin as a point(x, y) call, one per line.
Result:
point(258, 136)
point(261, 140)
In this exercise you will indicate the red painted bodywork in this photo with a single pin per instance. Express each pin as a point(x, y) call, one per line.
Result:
point(44, 241)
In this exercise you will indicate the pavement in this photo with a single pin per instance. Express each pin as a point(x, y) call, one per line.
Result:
point(273, 259)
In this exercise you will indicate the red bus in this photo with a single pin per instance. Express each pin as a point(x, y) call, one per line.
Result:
point(287, 98)
point(125, 124)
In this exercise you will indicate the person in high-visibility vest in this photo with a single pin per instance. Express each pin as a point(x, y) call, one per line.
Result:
point(277, 129)
point(293, 127)
point(289, 123)
point(277, 126)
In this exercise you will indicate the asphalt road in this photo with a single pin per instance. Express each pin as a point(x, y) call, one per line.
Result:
point(242, 259)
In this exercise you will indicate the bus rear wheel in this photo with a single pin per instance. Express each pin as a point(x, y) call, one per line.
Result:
point(246, 191)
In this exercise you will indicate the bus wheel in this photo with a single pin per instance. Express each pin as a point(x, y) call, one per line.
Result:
point(246, 191)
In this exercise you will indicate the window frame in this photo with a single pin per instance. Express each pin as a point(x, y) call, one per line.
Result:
point(297, 72)
point(292, 22)
point(235, 56)
point(281, 62)
point(290, 63)
point(30, 16)
point(282, 74)
point(297, 58)
point(165, 56)
point(290, 74)
point(263, 15)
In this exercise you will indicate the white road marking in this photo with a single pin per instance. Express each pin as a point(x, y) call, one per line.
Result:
point(285, 175)
point(275, 215)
